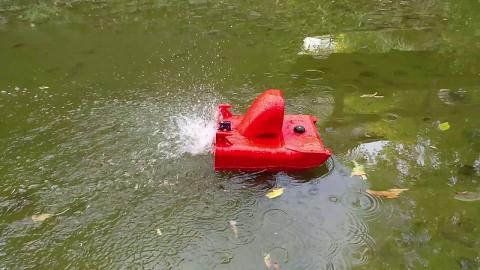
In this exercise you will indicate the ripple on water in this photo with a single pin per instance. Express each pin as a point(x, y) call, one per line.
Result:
point(357, 243)
point(118, 166)
point(362, 204)
point(276, 216)
point(125, 171)
point(314, 74)
point(314, 225)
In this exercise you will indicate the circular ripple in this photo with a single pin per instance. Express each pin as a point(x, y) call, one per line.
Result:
point(314, 74)
point(357, 240)
point(276, 216)
point(362, 204)
point(286, 238)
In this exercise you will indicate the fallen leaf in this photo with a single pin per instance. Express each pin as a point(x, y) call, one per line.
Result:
point(374, 95)
point(392, 193)
point(226, 258)
point(43, 87)
point(444, 126)
point(268, 261)
point(159, 232)
point(233, 226)
point(276, 266)
point(467, 196)
point(41, 217)
point(359, 170)
point(274, 192)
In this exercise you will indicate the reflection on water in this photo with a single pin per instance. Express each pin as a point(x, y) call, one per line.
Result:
point(368, 151)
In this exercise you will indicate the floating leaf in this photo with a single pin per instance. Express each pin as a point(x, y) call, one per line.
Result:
point(159, 232)
point(374, 95)
point(467, 196)
point(392, 193)
point(268, 261)
point(274, 192)
point(226, 258)
point(276, 266)
point(444, 126)
point(233, 226)
point(41, 217)
point(359, 170)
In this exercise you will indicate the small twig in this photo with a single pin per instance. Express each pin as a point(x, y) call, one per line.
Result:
point(61, 213)
point(374, 95)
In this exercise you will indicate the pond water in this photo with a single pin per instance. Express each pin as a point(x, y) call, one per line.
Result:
point(106, 124)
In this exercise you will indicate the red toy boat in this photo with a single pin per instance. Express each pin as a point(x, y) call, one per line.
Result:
point(266, 139)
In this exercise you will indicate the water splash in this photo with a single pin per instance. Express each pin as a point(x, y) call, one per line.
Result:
point(188, 132)
point(195, 134)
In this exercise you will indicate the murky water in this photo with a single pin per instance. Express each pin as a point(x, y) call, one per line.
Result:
point(107, 117)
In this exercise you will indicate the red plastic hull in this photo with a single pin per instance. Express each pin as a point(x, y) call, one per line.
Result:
point(280, 148)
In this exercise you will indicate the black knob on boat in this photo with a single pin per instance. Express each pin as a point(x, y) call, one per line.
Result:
point(299, 129)
point(225, 126)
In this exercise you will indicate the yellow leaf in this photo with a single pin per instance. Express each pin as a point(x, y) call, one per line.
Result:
point(392, 193)
point(268, 260)
point(359, 170)
point(444, 126)
point(274, 192)
point(41, 217)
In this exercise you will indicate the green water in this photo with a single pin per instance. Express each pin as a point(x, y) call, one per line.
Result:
point(105, 109)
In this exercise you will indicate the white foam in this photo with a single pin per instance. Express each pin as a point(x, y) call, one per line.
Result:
point(188, 130)
point(195, 134)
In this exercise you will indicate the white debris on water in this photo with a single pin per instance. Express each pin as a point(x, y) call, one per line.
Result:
point(319, 45)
